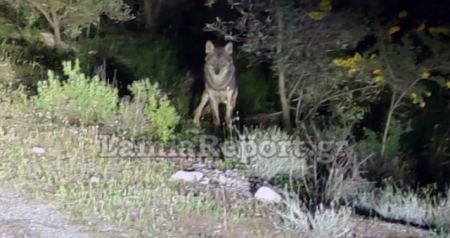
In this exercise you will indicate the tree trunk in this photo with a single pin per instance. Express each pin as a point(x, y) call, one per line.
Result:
point(387, 126)
point(56, 26)
point(282, 73)
point(151, 10)
point(283, 99)
point(57, 36)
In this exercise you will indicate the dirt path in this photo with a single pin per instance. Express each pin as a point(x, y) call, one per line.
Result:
point(20, 217)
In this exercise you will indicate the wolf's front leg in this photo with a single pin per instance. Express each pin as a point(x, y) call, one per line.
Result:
point(199, 109)
point(228, 113)
point(214, 103)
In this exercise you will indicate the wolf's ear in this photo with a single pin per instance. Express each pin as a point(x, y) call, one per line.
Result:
point(209, 47)
point(229, 48)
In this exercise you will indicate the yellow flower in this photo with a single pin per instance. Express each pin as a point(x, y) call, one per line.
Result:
point(403, 14)
point(357, 57)
point(425, 75)
point(393, 30)
point(413, 97)
point(316, 15)
point(439, 30)
point(325, 5)
point(377, 72)
point(352, 71)
point(422, 104)
point(420, 28)
point(350, 63)
point(338, 62)
point(379, 79)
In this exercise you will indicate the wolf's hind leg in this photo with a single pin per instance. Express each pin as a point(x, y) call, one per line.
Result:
point(199, 109)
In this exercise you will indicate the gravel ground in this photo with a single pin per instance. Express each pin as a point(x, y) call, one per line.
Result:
point(20, 217)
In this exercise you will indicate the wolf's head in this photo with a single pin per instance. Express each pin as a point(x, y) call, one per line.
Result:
point(219, 60)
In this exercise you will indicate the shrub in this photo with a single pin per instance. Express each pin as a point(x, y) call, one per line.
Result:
point(324, 172)
point(320, 223)
point(442, 214)
point(150, 113)
point(252, 148)
point(378, 167)
point(407, 205)
point(334, 169)
point(79, 99)
point(393, 203)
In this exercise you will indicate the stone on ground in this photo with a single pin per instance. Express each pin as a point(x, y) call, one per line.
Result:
point(267, 195)
point(187, 176)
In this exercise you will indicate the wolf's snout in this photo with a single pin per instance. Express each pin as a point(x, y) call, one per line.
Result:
point(217, 70)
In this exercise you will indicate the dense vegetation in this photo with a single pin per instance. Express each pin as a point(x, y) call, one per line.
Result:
point(374, 74)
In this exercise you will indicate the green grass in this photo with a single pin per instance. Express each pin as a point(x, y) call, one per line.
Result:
point(132, 193)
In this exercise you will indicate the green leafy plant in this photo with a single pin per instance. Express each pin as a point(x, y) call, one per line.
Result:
point(391, 164)
point(150, 113)
point(79, 99)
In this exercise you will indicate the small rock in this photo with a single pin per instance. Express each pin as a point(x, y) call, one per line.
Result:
point(205, 181)
point(222, 179)
point(38, 150)
point(187, 176)
point(228, 172)
point(266, 194)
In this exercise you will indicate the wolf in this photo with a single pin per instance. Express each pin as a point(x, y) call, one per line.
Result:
point(220, 83)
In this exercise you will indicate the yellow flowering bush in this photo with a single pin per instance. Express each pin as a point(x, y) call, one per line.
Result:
point(394, 30)
point(324, 8)
point(421, 27)
point(425, 75)
point(439, 30)
point(378, 76)
point(418, 100)
point(352, 64)
point(359, 63)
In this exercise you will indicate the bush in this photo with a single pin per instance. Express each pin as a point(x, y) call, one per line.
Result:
point(252, 151)
point(393, 203)
point(442, 214)
point(335, 170)
point(419, 208)
point(324, 172)
point(320, 223)
point(79, 99)
point(150, 113)
point(391, 164)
